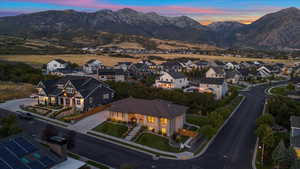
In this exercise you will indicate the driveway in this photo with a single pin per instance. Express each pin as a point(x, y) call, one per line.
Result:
point(14, 105)
point(90, 122)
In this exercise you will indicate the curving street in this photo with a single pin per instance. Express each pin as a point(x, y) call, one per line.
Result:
point(232, 148)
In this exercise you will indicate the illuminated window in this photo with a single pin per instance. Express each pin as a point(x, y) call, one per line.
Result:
point(150, 119)
point(163, 121)
point(163, 130)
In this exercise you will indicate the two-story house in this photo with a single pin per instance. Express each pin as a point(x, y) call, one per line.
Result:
point(157, 115)
point(295, 134)
point(117, 75)
point(56, 64)
point(92, 66)
point(78, 92)
point(215, 72)
point(172, 66)
point(172, 80)
point(232, 76)
point(216, 86)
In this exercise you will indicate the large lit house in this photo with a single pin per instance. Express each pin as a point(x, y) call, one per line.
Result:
point(157, 115)
point(172, 80)
point(78, 92)
point(216, 86)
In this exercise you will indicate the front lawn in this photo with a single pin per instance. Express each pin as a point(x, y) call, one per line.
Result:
point(157, 142)
point(112, 128)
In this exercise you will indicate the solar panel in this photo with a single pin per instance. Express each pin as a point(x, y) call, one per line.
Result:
point(36, 165)
point(3, 165)
point(47, 161)
point(11, 145)
point(11, 159)
point(26, 144)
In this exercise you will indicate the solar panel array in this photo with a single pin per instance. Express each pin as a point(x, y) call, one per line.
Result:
point(19, 153)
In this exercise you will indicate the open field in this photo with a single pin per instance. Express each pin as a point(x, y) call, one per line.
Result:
point(10, 90)
point(110, 61)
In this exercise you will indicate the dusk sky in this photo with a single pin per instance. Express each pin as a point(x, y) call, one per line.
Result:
point(204, 11)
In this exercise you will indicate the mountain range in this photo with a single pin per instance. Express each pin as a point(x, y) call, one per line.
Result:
point(276, 31)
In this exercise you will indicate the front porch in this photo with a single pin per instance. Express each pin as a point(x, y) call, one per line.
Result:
point(53, 102)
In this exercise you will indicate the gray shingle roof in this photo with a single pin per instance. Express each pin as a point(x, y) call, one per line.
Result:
point(218, 70)
point(157, 108)
point(176, 75)
point(231, 73)
point(111, 72)
point(217, 81)
point(60, 61)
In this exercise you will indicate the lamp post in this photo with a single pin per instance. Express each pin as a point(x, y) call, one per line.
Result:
point(262, 155)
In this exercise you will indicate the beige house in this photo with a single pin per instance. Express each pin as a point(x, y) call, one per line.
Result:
point(215, 72)
point(157, 115)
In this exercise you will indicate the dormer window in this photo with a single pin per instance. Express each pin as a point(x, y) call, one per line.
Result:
point(69, 90)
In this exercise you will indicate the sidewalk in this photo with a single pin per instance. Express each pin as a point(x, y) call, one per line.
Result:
point(133, 132)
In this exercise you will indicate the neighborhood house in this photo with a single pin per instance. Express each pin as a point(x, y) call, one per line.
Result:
point(157, 115)
point(78, 92)
point(172, 80)
point(56, 64)
point(295, 134)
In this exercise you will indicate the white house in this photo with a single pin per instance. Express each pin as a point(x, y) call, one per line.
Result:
point(92, 65)
point(215, 72)
point(172, 80)
point(56, 64)
point(217, 86)
point(264, 71)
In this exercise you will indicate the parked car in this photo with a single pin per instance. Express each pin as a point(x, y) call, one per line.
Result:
point(24, 115)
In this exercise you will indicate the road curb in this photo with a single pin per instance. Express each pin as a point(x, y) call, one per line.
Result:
point(255, 154)
point(219, 130)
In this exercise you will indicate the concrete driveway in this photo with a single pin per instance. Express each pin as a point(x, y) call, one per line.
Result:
point(14, 105)
point(90, 122)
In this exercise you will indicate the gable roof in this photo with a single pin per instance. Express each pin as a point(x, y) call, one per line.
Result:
point(219, 63)
point(231, 73)
point(176, 75)
point(156, 108)
point(171, 64)
point(60, 61)
point(216, 81)
point(111, 72)
point(20, 151)
point(84, 85)
point(218, 70)
point(202, 63)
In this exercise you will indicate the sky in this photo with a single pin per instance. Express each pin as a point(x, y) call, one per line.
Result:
point(204, 11)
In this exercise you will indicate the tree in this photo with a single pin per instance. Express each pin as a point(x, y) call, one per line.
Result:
point(9, 126)
point(265, 119)
point(290, 87)
point(216, 119)
point(296, 164)
point(266, 136)
point(279, 154)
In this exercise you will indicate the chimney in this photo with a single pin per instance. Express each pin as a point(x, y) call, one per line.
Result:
point(58, 145)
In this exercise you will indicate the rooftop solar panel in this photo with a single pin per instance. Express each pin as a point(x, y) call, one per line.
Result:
point(11, 145)
point(36, 165)
point(26, 144)
point(47, 161)
point(3, 165)
point(10, 159)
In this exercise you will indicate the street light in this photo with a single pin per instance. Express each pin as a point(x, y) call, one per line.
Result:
point(262, 155)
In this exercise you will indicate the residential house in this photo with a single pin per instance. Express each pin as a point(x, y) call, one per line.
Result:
point(172, 80)
point(216, 86)
point(117, 75)
point(140, 69)
point(218, 63)
point(248, 74)
point(232, 76)
point(202, 64)
point(157, 115)
point(56, 64)
point(215, 72)
point(123, 65)
point(268, 70)
point(172, 66)
point(92, 66)
point(295, 134)
point(22, 152)
point(229, 65)
point(80, 93)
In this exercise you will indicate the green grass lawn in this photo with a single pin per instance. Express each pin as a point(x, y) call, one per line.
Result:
point(156, 141)
point(113, 129)
point(283, 91)
point(196, 120)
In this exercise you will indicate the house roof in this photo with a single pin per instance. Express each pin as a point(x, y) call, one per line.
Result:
point(231, 73)
point(201, 63)
point(218, 70)
point(111, 72)
point(171, 64)
point(295, 121)
point(84, 85)
point(157, 108)
point(216, 81)
point(60, 61)
point(219, 63)
point(176, 75)
point(20, 151)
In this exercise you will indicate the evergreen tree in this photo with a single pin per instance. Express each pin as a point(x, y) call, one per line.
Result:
point(279, 154)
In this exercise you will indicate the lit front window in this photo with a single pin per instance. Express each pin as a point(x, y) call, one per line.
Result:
point(163, 130)
point(150, 119)
point(163, 121)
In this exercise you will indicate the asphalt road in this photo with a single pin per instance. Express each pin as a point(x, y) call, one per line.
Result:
point(232, 148)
